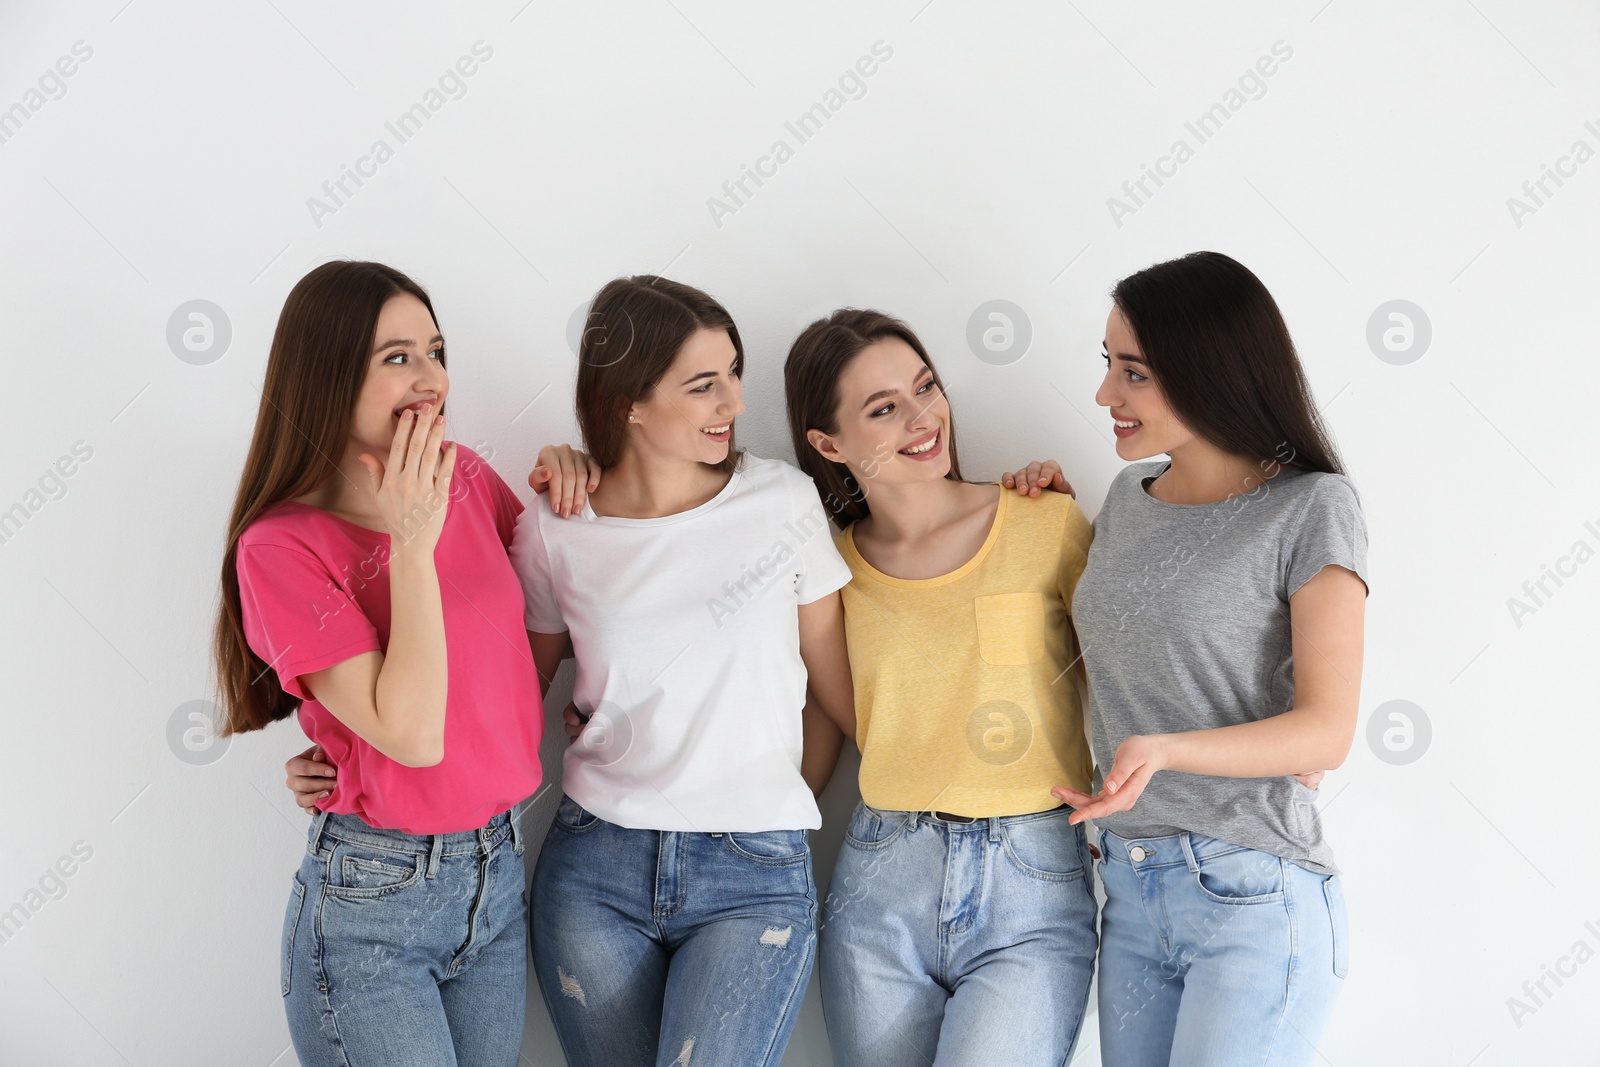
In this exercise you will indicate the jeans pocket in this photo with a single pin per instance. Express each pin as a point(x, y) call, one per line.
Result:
point(1333, 892)
point(359, 873)
point(291, 927)
point(770, 847)
point(1049, 848)
point(1241, 876)
point(870, 831)
point(573, 817)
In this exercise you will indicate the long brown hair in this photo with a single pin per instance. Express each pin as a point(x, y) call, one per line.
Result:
point(1217, 344)
point(315, 370)
point(635, 329)
point(811, 388)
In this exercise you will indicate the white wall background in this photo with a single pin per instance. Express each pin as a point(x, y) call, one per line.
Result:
point(176, 162)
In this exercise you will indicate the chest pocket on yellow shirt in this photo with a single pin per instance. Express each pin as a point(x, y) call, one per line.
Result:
point(1010, 628)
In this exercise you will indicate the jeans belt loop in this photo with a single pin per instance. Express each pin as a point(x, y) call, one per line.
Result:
point(315, 838)
point(1188, 853)
point(433, 854)
point(994, 829)
point(516, 830)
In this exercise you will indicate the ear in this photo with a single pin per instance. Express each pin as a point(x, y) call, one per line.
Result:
point(825, 446)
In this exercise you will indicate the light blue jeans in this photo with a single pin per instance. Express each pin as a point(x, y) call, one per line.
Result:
point(1215, 955)
point(402, 950)
point(956, 944)
point(657, 947)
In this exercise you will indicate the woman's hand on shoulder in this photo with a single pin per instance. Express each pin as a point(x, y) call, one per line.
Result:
point(1038, 476)
point(568, 475)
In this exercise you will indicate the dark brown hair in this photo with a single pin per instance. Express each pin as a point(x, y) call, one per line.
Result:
point(1216, 342)
point(315, 370)
point(811, 386)
point(636, 328)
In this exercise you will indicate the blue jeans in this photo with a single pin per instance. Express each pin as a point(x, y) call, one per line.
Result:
point(1215, 955)
point(664, 947)
point(402, 950)
point(957, 943)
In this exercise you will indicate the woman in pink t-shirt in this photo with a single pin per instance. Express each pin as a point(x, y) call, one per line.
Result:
point(376, 597)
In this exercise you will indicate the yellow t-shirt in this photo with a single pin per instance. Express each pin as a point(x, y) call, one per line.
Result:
point(964, 698)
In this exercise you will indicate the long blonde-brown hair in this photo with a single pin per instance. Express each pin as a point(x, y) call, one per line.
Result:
point(315, 369)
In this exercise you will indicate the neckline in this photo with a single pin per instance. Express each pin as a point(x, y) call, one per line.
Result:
point(1144, 491)
point(341, 521)
point(590, 515)
point(856, 560)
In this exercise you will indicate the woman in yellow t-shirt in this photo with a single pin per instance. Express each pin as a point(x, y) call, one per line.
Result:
point(960, 924)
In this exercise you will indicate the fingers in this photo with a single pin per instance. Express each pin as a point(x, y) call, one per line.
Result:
point(539, 479)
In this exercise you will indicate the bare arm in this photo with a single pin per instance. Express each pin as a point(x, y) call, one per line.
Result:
point(395, 700)
point(827, 662)
point(823, 743)
point(548, 652)
point(1327, 616)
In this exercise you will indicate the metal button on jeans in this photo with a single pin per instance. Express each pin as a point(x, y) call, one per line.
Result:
point(1139, 852)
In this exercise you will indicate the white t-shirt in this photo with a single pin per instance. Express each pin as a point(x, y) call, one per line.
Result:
point(687, 637)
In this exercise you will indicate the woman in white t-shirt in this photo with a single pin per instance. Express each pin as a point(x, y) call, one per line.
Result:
point(674, 909)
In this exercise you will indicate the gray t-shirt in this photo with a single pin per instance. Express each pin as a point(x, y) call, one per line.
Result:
point(1183, 616)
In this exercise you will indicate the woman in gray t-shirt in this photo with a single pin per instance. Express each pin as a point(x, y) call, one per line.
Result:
point(1220, 616)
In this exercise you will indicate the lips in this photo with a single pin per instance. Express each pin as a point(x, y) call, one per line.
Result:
point(417, 407)
point(1125, 427)
point(718, 433)
point(925, 448)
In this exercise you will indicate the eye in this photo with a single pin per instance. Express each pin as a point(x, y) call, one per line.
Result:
point(706, 388)
point(400, 355)
point(1135, 376)
point(438, 353)
point(881, 411)
point(925, 386)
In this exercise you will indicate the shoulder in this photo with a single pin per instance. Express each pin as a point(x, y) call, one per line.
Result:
point(1323, 495)
point(776, 476)
point(287, 525)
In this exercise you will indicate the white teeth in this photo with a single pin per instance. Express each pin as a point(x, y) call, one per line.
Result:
point(920, 448)
point(1125, 425)
point(716, 429)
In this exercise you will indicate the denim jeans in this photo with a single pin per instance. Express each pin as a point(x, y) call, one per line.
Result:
point(402, 950)
point(665, 947)
point(1215, 955)
point(957, 943)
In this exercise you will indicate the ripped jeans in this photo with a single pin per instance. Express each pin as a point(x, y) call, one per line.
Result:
point(657, 947)
point(406, 950)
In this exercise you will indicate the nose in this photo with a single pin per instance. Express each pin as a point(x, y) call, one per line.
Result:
point(733, 399)
point(1106, 396)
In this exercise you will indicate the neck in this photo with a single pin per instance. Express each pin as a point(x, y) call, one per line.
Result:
point(913, 510)
point(346, 490)
point(1202, 473)
point(650, 485)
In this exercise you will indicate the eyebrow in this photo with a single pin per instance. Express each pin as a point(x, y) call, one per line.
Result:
point(882, 393)
point(708, 373)
point(404, 342)
point(1125, 356)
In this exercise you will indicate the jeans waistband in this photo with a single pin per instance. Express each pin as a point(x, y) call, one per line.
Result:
point(507, 824)
point(1184, 849)
point(990, 824)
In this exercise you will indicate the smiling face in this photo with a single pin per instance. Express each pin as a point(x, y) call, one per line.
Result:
point(689, 414)
point(1145, 426)
point(893, 419)
point(405, 369)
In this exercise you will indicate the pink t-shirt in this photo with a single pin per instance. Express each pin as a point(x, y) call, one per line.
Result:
point(315, 592)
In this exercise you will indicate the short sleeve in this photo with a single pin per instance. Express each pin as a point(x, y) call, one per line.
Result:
point(296, 617)
point(821, 569)
point(1076, 535)
point(1330, 529)
point(530, 558)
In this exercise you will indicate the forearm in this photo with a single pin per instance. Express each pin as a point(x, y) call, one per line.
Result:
point(823, 743)
point(413, 684)
point(1300, 739)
